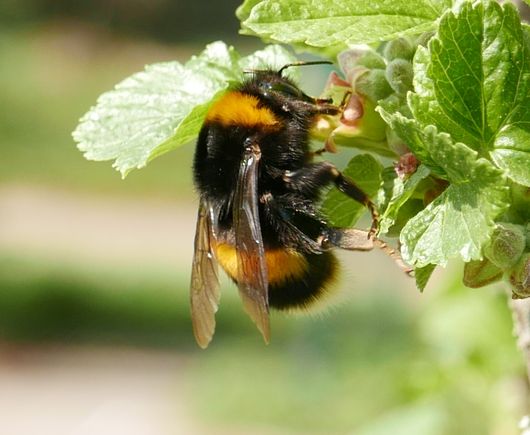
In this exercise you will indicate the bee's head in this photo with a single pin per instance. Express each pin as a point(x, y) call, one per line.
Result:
point(273, 83)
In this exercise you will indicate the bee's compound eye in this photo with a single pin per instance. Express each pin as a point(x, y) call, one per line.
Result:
point(281, 87)
point(266, 86)
point(286, 88)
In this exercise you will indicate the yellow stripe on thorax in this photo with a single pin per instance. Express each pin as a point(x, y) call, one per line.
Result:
point(282, 264)
point(235, 108)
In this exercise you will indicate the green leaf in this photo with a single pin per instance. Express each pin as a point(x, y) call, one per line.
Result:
point(416, 139)
point(401, 192)
point(459, 221)
point(422, 275)
point(339, 23)
point(272, 56)
point(473, 81)
point(143, 115)
point(156, 110)
point(187, 129)
point(341, 210)
point(406, 212)
point(243, 11)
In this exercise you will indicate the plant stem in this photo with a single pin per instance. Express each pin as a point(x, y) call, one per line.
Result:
point(521, 319)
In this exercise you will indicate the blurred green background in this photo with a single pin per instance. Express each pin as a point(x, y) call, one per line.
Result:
point(95, 334)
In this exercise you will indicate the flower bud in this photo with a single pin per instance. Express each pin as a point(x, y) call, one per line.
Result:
point(400, 48)
point(480, 273)
point(399, 75)
point(373, 84)
point(406, 165)
point(360, 120)
point(371, 60)
point(520, 277)
point(359, 56)
point(506, 245)
point(424, 38)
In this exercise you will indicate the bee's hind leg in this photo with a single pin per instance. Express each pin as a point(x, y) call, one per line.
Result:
point(350, 239)
point(353, 239)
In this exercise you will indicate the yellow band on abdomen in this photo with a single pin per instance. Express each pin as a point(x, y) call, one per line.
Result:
point(282, 264)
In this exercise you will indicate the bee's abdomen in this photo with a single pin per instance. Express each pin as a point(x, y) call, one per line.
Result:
point(297, 280)
point(283, 264)
point(304, 290)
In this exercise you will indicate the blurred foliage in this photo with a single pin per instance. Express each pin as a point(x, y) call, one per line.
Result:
point(55, 300)
point(43, 301)
point(48, 80)
point(375, 366)
point(167, 20)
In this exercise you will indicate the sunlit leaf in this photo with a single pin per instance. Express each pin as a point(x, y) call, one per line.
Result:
point(343, 211)
point(473, 82)
point(156, 110)
point(460, 220)
point(332, 23)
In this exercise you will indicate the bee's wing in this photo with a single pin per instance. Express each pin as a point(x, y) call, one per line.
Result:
point(204, 292)
point(252, 267)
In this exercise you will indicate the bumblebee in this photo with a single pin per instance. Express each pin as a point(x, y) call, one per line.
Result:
point(258, 218)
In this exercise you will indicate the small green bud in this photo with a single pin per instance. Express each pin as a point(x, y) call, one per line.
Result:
point(373, 84)
point(424, 38)
point(362, 56)
point(400, 48)
point(399, 75)
point(371, 60)
point(506, 245)
point(520, 277)
point(480, 273)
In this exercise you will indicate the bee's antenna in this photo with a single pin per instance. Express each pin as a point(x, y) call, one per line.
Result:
point(289, 65)
point(303, 63)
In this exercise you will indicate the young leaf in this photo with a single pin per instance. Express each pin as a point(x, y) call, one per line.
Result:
point(243, 11)
point(411, 132)
point(459, 221)
point(272, 56)
point(422, 275)
point(343, 211)
point(163, 107)
point(473, 81)
point(343, 23)
point(402, 191)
